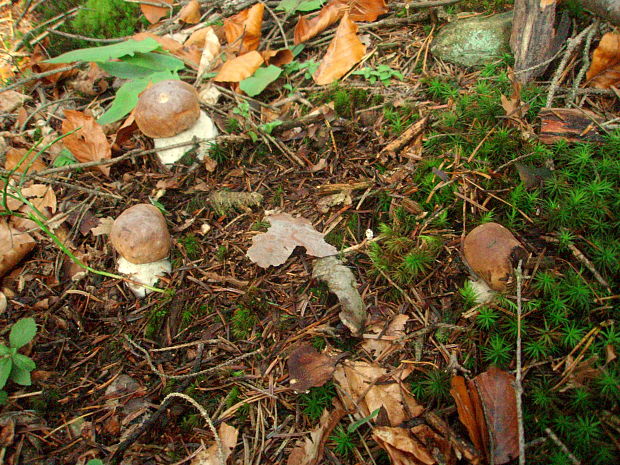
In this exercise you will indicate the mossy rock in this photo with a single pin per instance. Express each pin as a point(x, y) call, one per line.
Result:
point(474, 41)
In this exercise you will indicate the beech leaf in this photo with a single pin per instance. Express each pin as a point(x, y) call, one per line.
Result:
point(239, 68)
point(604, 70)
point(155, 13)
point(190, 13)
point(89, 142)
point(243, 30)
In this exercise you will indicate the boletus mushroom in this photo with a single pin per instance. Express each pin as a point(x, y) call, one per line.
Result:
point(169, 112)
point(492, 253)
point(140, 236)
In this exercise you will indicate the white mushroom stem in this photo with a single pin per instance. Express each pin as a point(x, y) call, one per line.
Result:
point(204, 128)
point(145, 273)
point(484, 294)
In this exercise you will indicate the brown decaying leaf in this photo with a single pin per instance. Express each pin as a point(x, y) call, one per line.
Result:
point(154, 13)
point(239, 68)
point(285, 233)
point(604, 70)
point(402, 447)
point(43, 199)
point(210, 50)
point(311, 451)
point(367, 387)
point(381, 339)
point(277, 57)
point(344, 51)
point(38, 65)
point(91, 81)
point(14, 245)
point(245, 25)
point(190, 13)
point(228, 437)
point(308, 368)
point(470, 413)
point(359, 10)
point(10, 100)
point(88, 143)
point(29, 164)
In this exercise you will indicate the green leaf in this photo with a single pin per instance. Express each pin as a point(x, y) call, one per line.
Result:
point(269, 127)
point(125, 70)
point(23, 362)
point(108, 52)
point(64, 158)
point(4, 350)
point(155, 61)
point(20, 376)
point(94, 462)
point(353, 426)
point(256, 83)
point(4, 398)
point(6, 364)
point(127, 96)
point(291, 6)
point(22, 332)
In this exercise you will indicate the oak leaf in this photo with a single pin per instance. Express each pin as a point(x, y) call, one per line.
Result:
point(285, 233)
point(154, 13)
point(604, 70)
point(239, 68)
point(243, 29)
point(88, 143)
point(344, 52)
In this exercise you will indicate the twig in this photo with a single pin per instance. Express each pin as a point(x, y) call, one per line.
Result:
point(425, 4)
point(518, 385)
point(88, 39)
point(34, 77)
point(586, 62)
point(561, 445)
point(278, 23)
point(189, 375)
point(133, 437)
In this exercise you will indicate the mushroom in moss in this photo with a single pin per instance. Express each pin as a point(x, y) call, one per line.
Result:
point(169, 112)
point(141, 237)
point(492, 252)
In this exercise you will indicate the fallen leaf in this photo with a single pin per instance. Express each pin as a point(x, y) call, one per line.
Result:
point(285, 233)
point(604, 70)
point(21, 161)
point(382, 339)
point(246, 26)
point(38, 65)
point(88, 143)
point(104, 227)
point(308, 368)
point(211, 456)
point(311, 451)
point(344, 51)
point(341, 281)
point(154, 13)
point(239, 68)
point(402, 447)
point(124, 132)
point(359, 10)
point(210, 51)
point(532, 176)
point(190, 54)
point(277, 57)
point(43, 199)
point(470, 413)
point(11, 100)
point(367, 387)
point(190, 13)
point(14, 246)
point(90, 82)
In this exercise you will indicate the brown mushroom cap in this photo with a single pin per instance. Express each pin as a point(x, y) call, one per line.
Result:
point(167, 109)
point(490, 250)
point(140, 234)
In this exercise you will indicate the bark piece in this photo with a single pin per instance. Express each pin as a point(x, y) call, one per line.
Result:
point(571, 124)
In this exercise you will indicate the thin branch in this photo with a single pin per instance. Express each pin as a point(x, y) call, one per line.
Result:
point(519, 374)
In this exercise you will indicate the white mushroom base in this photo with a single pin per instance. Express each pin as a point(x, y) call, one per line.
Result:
point(145, 273)
point(484, 294)
point(204, 128)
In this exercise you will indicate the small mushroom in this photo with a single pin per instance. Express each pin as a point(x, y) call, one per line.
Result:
point(491, 251)
point(141, 237)
point(170, 113)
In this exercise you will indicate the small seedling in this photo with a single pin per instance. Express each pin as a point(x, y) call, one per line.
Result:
point(381, 73)
point(13, 365)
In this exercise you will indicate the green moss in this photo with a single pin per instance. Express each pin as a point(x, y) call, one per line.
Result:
point(107, 18)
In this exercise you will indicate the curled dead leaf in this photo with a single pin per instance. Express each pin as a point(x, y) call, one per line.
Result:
point(604, 70)
point(344, 52)
point(239, 68)
point(277, 57)
point(308, 368)
point(210, 51)
point(243, 29)
point(285, 233)
point(154, 14)
point(88, 143)
point(38, 65)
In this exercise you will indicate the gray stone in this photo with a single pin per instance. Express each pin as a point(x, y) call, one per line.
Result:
point(474, 41)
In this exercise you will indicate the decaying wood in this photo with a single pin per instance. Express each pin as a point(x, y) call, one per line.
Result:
point(532, 37)
point(571, 124)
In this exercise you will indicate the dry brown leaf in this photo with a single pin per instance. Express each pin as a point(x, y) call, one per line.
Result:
point(190, 13)
point(104, 228)
point(88, 143)
point(38, 65)
point(91, 81)
point(124, 132)
point(402, 447)
point(470, 413)
point(29, 164)
point(308, 368)
point(228, 437)
point(14, 245)
point(285, 233)
point(344, 51)
point(239, 68)
point(246, 26)
point(277, 57)
point(359, 10)
point(154, 13)
point(43, 199)
point(380, 339)
point(604, 70)
point(367, 388)
point(311, 451)
point(210, 51)
point(10, 100)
